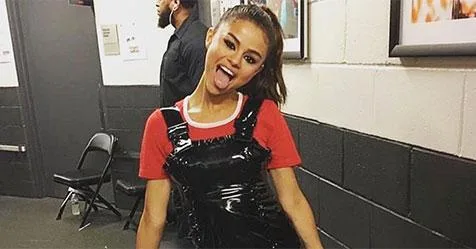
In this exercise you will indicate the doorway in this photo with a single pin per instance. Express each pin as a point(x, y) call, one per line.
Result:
point(61, 83)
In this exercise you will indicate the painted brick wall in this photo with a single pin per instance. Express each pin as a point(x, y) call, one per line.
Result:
point(370, 192)
point(352, 83)
point(16, 174)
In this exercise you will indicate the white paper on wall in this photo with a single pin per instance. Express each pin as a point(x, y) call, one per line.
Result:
point(110, 39)
point(131, 43)
point(6, 54)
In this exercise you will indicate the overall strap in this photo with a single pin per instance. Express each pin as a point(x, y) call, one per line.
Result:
point(177, 128)
point(245, 124)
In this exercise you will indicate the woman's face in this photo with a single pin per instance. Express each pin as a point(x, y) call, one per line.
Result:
point(236, 53)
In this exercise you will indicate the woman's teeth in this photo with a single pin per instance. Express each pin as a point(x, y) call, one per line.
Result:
point(228, 71)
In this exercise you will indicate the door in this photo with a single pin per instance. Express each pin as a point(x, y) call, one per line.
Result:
point(64, 75)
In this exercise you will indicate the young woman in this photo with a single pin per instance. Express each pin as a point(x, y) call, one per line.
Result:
point(222, 142)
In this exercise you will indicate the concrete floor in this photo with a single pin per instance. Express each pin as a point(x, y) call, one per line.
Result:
point(30, 223)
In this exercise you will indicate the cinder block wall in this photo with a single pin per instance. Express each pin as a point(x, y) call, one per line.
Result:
point(16, 177)
point(388, 143)
point(352, 83)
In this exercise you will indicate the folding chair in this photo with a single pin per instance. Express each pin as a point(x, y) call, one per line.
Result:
point(135, 188)
point(81, 180)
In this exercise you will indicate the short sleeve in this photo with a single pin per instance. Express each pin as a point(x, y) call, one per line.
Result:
point(277, 137)
point(154, 148)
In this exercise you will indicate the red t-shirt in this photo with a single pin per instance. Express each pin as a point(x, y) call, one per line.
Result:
point(271, 131)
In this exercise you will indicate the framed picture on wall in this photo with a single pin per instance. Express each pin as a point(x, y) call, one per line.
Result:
point(293, 16)
point(218, 7)
point(432, 28)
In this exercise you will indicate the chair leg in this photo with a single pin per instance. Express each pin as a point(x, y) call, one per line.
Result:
point(95, 207)
point(89, 202)
point(105, 202)
point(63, 205)
point(85, 216)
point(85, 196)
point(91, 205)
point(131, 214)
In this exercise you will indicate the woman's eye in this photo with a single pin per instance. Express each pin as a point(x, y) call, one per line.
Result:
point(229, 44)
point(250, 59)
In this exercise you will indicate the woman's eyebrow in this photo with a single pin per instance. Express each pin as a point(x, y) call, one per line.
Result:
point(238, 41)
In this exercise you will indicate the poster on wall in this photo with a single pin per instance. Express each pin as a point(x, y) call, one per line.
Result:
point(432, 28)
point(110, 39)
point(132, 45)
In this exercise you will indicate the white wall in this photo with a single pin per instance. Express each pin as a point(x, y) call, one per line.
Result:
point(8, 72)
point(351, 82)
point(115, 69)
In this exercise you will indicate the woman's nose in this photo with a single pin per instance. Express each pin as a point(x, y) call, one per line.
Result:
point(235, 59)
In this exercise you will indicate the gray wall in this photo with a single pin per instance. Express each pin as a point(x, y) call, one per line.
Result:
point(125, 112)
point(16, 177)
point(369, 192)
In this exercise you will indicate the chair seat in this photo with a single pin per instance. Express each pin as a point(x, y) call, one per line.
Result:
point(86, 176)
point(134, 188)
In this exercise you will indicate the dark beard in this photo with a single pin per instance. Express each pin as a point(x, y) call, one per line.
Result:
point(164, 19)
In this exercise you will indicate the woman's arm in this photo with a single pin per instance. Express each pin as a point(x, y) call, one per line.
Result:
point(296, 206)
point(153, 218)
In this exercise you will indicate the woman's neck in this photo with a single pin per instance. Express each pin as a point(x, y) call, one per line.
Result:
point(205, 107)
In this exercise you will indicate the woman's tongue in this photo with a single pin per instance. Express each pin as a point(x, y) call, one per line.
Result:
point(222, 80)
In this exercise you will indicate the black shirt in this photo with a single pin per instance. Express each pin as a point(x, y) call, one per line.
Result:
point(183, 62)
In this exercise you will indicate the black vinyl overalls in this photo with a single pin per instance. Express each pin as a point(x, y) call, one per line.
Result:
point(225, 190)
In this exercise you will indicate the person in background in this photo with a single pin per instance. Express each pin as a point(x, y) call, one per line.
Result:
point(223, 141)
point(182, 63)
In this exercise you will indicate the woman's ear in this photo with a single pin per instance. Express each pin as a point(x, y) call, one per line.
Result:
point(258, 71)
point(209, 37)
point(261, 68)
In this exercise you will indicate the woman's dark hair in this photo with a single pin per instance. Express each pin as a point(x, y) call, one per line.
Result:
point(268, 83)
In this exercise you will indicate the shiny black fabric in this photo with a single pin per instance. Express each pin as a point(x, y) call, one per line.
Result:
point(224, 185)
